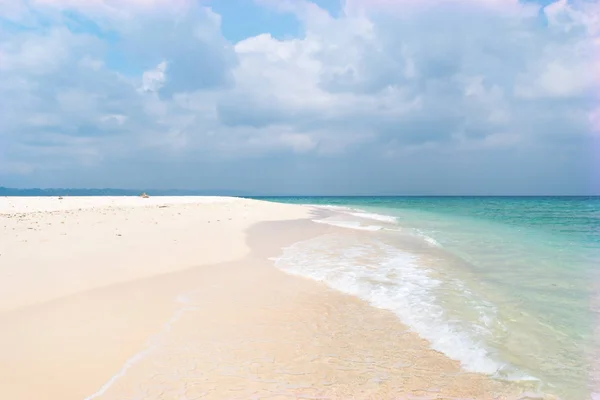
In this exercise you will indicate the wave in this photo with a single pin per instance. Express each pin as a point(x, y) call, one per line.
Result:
point(428, 239)
point(357, 212)
point(331, 207)
point(390, 279)
point(376, 217)
point(349, 224)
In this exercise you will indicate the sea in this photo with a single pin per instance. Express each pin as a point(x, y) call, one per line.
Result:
point(508, 286)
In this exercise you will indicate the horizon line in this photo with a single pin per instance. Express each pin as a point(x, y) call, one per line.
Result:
point(241, 193)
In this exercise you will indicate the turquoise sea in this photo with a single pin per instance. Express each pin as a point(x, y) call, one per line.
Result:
point(509, 286)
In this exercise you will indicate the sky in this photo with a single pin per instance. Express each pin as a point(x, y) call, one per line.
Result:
point(331, 97)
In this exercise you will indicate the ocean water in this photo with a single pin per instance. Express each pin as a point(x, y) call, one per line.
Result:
point(508, 286)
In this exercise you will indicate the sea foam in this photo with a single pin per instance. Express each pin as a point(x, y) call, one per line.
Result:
point(375, 217)
point(427, 238)
point(393, 280)
point(356, 212)
point(348, 224)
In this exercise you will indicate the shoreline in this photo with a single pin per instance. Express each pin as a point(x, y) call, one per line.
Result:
point(365, 352)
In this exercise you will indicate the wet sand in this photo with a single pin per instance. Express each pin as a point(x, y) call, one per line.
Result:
point(236, 329)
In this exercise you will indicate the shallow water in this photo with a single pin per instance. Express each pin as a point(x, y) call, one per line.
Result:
point(507, 286)
point(248, 331)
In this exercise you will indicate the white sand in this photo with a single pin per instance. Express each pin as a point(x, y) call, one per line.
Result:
point(51, 248)
point(9, 205)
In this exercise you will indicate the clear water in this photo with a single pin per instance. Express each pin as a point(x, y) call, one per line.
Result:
point(508, 286)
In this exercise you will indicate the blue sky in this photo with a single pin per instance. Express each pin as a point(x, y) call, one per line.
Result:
point(302, 97)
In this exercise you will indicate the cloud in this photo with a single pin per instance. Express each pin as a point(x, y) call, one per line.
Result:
point(154, 79)
point(354, 7)
point(387, 82)
point(389, 74)
point(116, 9)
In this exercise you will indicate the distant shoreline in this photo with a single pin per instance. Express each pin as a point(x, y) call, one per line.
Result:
point(89, 192)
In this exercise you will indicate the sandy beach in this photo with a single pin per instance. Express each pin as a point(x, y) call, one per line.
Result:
point(177, 298)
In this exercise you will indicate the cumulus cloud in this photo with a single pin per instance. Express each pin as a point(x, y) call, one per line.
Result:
point(154, 79)
point(386, 82)
point(474, 72)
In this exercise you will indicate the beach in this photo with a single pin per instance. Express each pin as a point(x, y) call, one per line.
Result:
point(180, 298)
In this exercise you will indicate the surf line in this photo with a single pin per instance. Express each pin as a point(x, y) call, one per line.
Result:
point(151, 345)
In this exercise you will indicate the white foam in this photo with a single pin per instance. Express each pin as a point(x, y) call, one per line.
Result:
point(349, 224)
point(376, 217)
point(428, 239)
point(331, 207)
point(356, 212)
point(390, 279)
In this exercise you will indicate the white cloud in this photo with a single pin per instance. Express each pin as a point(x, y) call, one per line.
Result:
point(40, 54)
point(489, 76)
point(556, 79)
point(354, 7)
point(594, 119)
point(154, 79)
point(115, 9)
